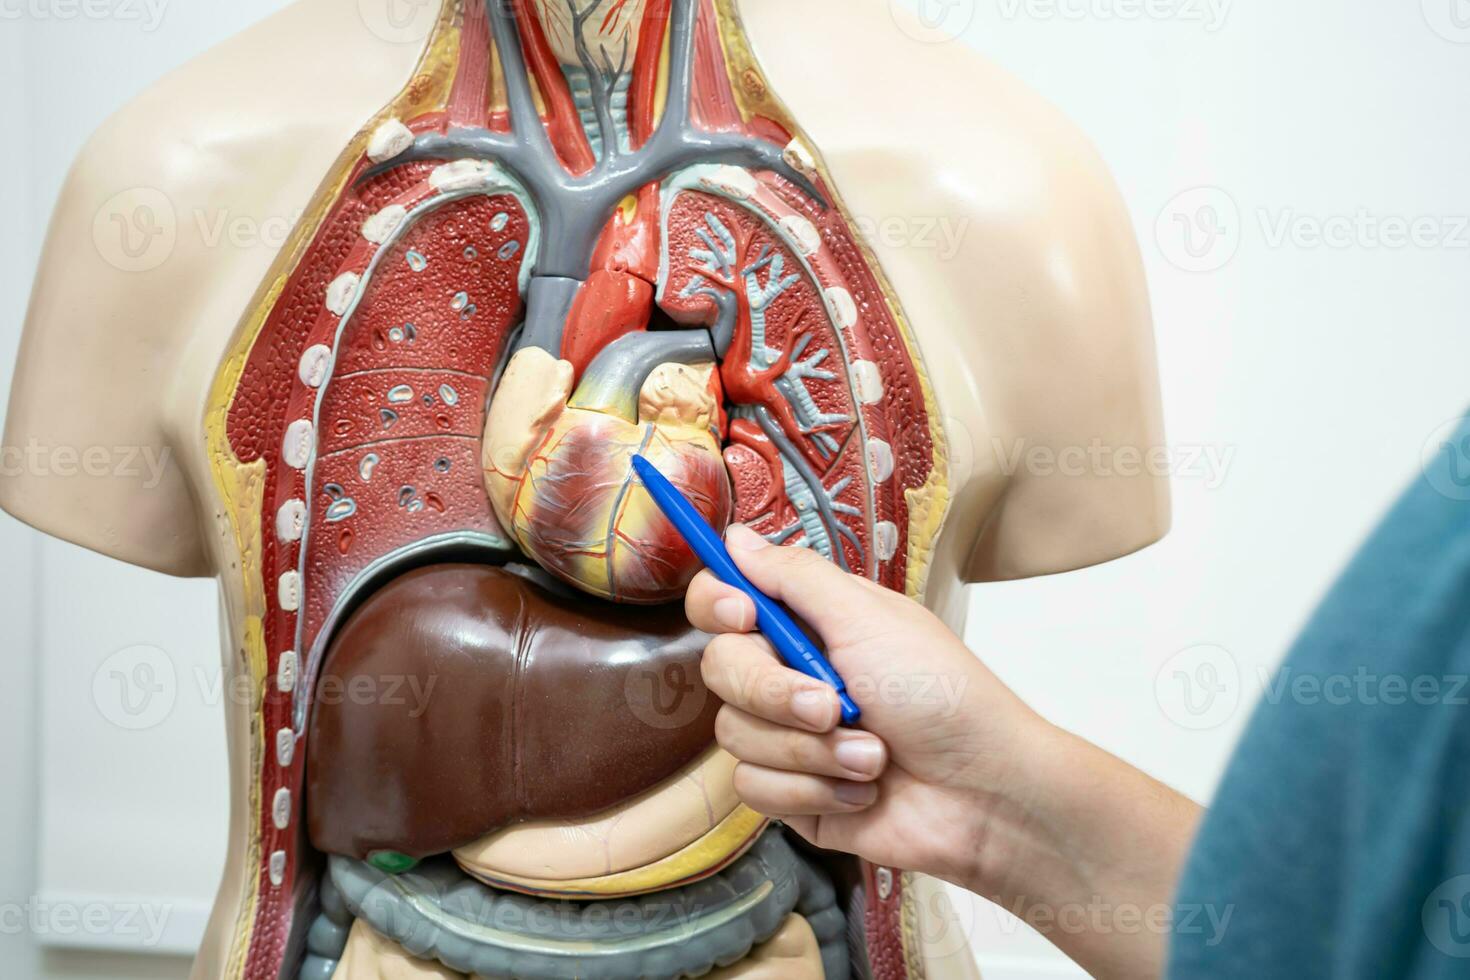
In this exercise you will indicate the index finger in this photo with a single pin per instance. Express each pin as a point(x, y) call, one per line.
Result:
point(838, 605)
point(714, 607)
point(743, 672)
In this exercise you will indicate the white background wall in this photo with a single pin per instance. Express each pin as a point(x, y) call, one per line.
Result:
point(107, 835)
point(1312, 374)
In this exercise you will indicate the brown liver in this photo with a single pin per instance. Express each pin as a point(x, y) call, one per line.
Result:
point(459, 699)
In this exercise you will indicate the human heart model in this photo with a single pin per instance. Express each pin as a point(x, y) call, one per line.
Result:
point(585, 230)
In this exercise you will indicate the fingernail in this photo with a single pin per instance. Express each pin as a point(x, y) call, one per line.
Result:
point(857, 794)
point(816, 707)
point(861, 756)
point(730, 613)
point(742, 537)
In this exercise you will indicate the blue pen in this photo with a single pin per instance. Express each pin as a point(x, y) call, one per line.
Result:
point(794, 646)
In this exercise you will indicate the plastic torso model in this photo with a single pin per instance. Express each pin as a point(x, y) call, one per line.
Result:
point(541, 237)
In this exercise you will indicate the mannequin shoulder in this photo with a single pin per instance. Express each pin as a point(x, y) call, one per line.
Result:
point(1006, 239)
point(952, 125)
point(225, 150)
point(305, 77)
point(945, 159)
point(168, 221)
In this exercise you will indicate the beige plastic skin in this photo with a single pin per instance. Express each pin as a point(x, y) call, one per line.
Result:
point(370, 956)
point(634, 834)
point(1036, 330)
point(791, 954)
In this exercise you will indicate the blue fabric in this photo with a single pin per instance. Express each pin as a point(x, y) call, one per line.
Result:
point(1339, 841)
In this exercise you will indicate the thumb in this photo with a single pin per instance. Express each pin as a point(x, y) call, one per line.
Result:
point(833, 602)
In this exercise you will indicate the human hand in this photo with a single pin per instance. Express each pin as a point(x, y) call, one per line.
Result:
point(936, 757)
point(950, 774)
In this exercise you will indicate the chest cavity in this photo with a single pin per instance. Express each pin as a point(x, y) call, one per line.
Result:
point(573, 238)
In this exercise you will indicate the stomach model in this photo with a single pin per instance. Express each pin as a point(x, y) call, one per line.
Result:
point(586, 229)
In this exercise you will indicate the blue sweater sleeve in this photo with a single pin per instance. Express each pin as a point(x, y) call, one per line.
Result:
point(1339, 842)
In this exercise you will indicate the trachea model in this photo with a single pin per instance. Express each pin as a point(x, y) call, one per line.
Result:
point(586, 230)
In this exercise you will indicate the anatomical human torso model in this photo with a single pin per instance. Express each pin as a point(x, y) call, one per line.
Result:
point(546, 236)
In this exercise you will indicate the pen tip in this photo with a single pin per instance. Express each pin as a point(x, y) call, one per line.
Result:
point(641, 466)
